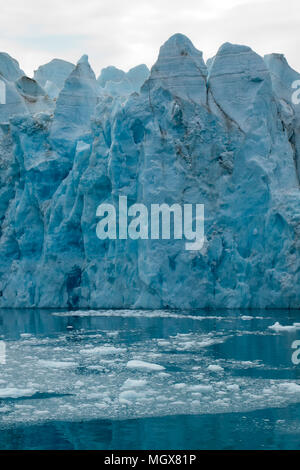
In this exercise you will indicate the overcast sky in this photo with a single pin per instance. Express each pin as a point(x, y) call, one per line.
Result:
point(129, 32)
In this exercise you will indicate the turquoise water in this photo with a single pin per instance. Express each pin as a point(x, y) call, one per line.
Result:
point(132, 379)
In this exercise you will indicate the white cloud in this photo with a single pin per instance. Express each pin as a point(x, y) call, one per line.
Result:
point(126, 33)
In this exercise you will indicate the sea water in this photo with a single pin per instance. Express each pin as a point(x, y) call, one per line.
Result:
point(161, 379)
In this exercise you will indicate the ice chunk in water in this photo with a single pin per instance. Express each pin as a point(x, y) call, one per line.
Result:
point(136, 364)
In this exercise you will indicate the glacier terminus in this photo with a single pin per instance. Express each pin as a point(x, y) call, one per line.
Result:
point(225, 133)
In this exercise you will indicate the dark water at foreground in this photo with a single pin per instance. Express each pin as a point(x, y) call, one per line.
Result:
point(267, 429)
point(149, 380)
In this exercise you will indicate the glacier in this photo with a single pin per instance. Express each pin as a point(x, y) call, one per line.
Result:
point(225, 134)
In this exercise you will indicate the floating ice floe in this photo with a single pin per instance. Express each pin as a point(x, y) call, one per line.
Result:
point(215, 368)
point(278, 327)
point(102, 350)
point(136, 364)
point(57, 364)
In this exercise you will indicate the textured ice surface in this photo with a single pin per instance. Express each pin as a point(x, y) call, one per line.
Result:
point(66, 366)
point(117, 83)
point(226, 135)
point(283, 78)
point(56, 72)
point(9, 68)
point(130, 83)
point(110, 74)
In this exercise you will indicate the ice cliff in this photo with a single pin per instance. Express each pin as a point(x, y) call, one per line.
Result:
point(225, 134)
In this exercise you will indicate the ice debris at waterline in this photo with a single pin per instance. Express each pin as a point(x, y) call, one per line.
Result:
point(121, 365)
point(225, 135)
